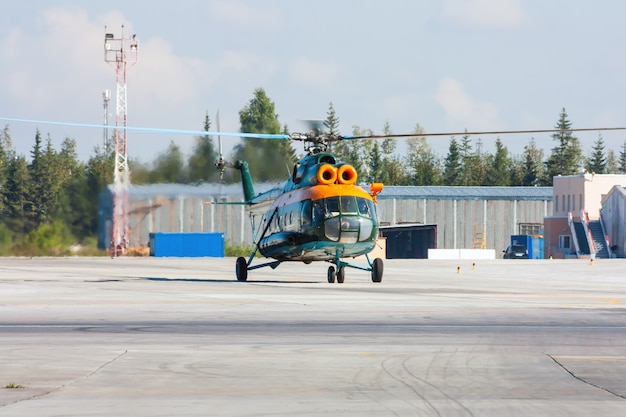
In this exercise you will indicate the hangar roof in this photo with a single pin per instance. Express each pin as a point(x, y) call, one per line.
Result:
point(466, 193)
point(389, 192)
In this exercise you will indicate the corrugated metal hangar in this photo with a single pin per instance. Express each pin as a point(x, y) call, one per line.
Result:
point(468, 217)
point(451, 217)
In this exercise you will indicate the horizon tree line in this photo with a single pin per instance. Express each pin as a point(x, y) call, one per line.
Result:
point(54, 186)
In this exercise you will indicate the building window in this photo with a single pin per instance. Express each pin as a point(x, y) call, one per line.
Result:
point(530, 228)
point(564, 241)
point(556, 201)
point(580, 198)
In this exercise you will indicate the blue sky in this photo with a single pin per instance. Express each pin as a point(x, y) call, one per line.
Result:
point(448, 66)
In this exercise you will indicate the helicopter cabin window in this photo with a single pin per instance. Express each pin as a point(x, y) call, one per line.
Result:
point(348, 204)
point(305, 213)
point(318, 211)
point(332, 206)
point(327, 159)
point(366, 207)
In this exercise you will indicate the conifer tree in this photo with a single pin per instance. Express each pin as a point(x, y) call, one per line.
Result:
point(566, 156)
point(533, 165)
point(422, 166)
point(331, 123)
point(499, 171)
point(596, 162)
point(612, 166)
point(622, 159)
point(452, 164)
point(16, 197)
point(202, 160)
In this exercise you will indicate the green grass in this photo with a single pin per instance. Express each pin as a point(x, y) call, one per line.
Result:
point(13, 385)
point(238, 250)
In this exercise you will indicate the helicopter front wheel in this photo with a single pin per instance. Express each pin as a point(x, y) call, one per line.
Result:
point(331, 274)
point(241, 269)
point(341, 274)
point(377, 270)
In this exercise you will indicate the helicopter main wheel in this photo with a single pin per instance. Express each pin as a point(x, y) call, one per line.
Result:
point(242, 269)
point(377, 270)
point(331, 274)
point(341, 275)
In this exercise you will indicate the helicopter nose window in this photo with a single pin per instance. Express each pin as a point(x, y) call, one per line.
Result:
point(348, 205)
point(365, 207)
point(332, 206)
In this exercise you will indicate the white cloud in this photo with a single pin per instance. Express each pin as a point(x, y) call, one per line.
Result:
point(486, 13)
point(461, 109)
point(43, 68)
point(162, 75)
point(311, 73)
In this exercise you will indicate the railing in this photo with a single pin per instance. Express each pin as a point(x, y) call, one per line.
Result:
point(570, 223)
point(584, 219)
point(606, 236)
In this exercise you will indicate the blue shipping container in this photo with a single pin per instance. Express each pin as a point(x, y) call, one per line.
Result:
point(533, 244)
point(187, 245)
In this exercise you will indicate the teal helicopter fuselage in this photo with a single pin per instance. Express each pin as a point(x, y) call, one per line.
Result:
point(319, 214)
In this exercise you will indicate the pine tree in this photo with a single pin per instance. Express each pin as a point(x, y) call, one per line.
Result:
point(5, 156)
point(393, 171)
point(376, 165)
point(16, 197)
point(47, 180)
point(499, 171)
point(332, 121)
point(76, 209)
point(533, 165)
point(203, 157)
point(622, 159)
point(597, 160)
point(453, 164)
point(612, 166)
point(566, 157)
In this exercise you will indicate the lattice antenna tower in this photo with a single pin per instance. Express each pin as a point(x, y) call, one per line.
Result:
point(120, 52)
point(106, 97)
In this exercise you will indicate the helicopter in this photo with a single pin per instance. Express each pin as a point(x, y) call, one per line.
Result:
point(319, 213)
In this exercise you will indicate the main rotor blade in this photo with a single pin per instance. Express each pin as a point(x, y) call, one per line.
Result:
point(153, 129)
point(494, 132)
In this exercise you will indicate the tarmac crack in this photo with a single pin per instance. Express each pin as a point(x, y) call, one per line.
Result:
point(89, 375)
point(584, 381)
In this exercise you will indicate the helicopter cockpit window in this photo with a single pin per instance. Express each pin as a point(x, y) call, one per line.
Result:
point(327, 159)
point(332, 206)
point(365, 207)
point(348, 204)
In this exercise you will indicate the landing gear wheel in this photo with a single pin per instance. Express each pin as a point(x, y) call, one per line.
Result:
point(377, 270)
point(331, 274)
point(242, 269)
point(341, 275)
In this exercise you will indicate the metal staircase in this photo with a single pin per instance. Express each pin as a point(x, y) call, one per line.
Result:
point(581, 238)
point(599, 239)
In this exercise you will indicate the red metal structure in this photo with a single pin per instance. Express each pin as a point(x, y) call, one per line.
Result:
point(119, 52)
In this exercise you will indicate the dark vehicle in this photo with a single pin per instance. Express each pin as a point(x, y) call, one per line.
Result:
point(515, 252)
